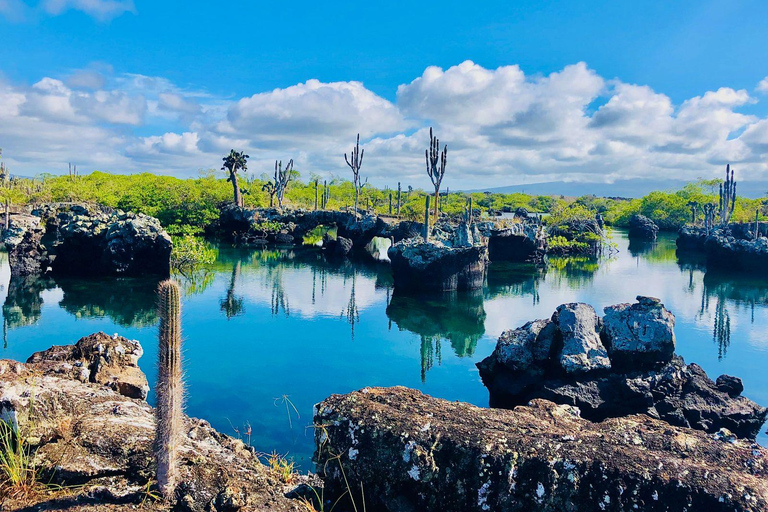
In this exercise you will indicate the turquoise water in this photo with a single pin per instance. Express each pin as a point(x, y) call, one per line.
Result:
point(270, 333)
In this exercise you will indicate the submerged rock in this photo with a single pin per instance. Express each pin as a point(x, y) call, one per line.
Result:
point(641, 227)
point(406, 451)
point(97, 444)
point(564, 360)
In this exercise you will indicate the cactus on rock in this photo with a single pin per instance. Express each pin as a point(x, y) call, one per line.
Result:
point(727, 197)
point(170, 389)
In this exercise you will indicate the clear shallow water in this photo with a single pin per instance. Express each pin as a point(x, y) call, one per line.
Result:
point(269, 324)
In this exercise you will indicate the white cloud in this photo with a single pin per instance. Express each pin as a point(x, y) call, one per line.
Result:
point(762, 86)
point(102, 10)
point(13, 10)
point(501, 126)
point(303, 113)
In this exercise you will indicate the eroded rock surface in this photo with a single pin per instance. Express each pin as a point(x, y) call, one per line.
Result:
point(411, 452)
point(97, 443)
point(433, 266)
point(616, 366)
point(642, 228)
point(100, 358)
point(85, 240)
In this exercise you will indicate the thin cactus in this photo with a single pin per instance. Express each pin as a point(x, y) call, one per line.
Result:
point(426, 219)
point(757, 223)
point(694, 205)
point(709, 217)
point(727, 197)
point(436, 162)
point(355, 161)
point(170, 389)
point(281, 179)
point(399, 192)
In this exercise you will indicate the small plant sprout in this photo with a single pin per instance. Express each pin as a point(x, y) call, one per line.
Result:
point(285, 399)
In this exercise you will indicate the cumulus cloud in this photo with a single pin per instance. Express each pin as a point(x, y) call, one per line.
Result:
point(102, 10)
point(312, 110)
point(501, 126)
point(763, 85)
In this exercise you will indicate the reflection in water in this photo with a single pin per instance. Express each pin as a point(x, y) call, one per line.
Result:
point(730, 289)
point(129, 302)
point(510, 279)
point(351, 312)
point(575, 271)
point(458, 318)
point(24, 302)
point(231, 304)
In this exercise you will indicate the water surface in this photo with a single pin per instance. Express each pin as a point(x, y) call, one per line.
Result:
point(269, 333)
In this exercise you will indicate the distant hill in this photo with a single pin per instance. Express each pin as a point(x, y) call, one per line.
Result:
point(626, 188)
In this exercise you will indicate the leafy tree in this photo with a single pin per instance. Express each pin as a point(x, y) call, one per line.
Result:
point(234, 162)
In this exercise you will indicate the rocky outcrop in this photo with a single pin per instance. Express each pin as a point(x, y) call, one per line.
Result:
point(406, 451)
point(619, 365)
point(337, 248)
point(107, 360)
point(642, 228)
point(522, 241)
point(427, 266)
point(730, 247)
point(97, 443)
point(82, 240)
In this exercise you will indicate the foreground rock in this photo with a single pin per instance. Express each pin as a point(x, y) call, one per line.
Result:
point(615, 366)
point(411, 452)
point(97, 443)
point(108, 360)
point(83, 240)
point(642, 228)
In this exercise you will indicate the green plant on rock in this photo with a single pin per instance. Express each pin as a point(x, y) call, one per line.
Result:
point(170, 389)
point(18, 475)
point(191, 253)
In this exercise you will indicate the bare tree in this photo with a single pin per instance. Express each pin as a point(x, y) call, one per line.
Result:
point(436, 162)
point(354, 163)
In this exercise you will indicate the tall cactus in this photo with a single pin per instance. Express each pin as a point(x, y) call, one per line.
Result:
point(355, 161)
point(170, 389)
point(727, 197)
point(436, 162)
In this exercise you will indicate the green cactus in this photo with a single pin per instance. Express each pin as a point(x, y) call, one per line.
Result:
point(170, 389)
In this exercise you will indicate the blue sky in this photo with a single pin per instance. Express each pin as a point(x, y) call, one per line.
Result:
point(167, 86)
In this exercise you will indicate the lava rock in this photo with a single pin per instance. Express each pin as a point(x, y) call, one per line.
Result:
point(108, 360)
point(729, 384)
point(413, 452)
point(561, 360)
point(641, 227)
point(639, 335)
point(426, 266)
point(579, 329)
